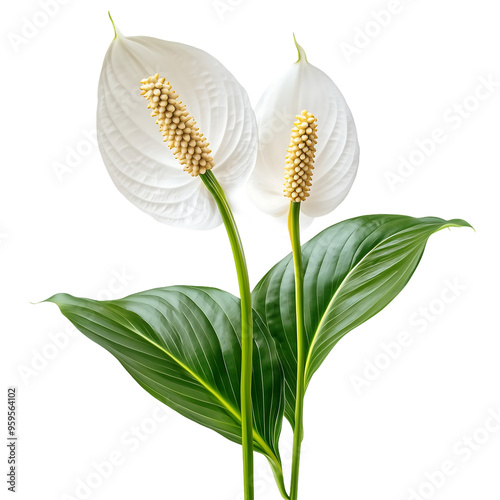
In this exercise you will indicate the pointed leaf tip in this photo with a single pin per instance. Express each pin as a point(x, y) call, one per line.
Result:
point(461, 223)
point(117, 32)
point(300, 50)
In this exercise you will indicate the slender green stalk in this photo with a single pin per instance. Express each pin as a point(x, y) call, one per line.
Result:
point(294, 230)
point(217, 192)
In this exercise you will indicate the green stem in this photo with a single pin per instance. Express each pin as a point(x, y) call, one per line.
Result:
point(294, 229)
point(217, 192)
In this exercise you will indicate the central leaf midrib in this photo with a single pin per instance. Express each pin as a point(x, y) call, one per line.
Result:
point(323, 316)
point(214, 392)
point(198, 379)
point(235, 414)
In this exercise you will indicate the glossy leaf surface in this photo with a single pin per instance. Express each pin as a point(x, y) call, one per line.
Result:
point(182, 345)
point(352, 270)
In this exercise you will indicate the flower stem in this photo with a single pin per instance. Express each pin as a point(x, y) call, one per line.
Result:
point(217, 192)
point(294, 230)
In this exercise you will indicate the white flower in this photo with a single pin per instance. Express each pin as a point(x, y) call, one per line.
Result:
point(140, 164)
point(304, 86)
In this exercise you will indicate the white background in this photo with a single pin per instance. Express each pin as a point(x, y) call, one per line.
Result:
point(75, 233)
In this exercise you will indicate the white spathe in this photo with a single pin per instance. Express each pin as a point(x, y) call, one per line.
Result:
point(140, 164)
point(304, 87)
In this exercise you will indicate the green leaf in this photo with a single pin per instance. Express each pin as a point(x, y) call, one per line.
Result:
point(352, 270)
point(182, 345)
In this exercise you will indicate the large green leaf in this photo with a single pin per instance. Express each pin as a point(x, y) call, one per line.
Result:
point(182, 345)
point(352, 270)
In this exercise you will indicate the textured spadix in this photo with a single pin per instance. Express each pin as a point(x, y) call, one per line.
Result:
point(303, 86)
point(300, 157)
point(142, 167)
point(177, 126)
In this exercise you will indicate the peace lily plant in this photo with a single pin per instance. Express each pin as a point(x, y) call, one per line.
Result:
point(238, 365)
